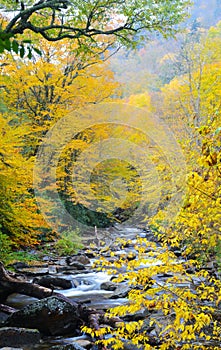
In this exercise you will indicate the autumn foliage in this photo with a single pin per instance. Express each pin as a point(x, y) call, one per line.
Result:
point(36, 93)
point(189, 297)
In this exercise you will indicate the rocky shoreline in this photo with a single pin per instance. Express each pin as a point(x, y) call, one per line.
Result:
point(74, 294)
point(28, 323)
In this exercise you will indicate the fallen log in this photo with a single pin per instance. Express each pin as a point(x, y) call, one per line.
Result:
point(10, 283)
point(7, 309)
point(78, 314)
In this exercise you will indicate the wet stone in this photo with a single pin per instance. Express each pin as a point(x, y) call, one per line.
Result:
point(34, 271)
point(73, 346)
point(20, 265)
point(61, 262)
point(51, 316)
point(3, 317)
point(121, 291)
point(9, 348)
point(178, 253)
point(46, 258)
point(75, 266)
point(111, 286)
point(11, 336)
point(76, 283)
point(86, 344)
point(52, 269)
point(82, 259)
point(53, 282)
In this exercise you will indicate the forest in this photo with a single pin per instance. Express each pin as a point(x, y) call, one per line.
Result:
point(110, 121)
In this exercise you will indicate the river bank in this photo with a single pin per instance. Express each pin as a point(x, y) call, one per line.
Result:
point(75, 279)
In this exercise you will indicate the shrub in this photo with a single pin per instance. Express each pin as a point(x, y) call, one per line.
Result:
point(5, 247)
point(68, 243)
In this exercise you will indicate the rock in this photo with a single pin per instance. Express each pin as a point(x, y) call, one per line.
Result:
point(139, 315)
point(152, 341)
point(52, 269)
point(20, 265)
point(108, 286)
point(5, 311)
point(51, 316)
point(128, 244)
point(46, 258)
point(90, 254)
point(75, 283)
point(178, 253)
point(73, 346)
point(131, 256)
point(84, 343)
point(164, 275)
point(34, 271)
point(75, 272)
point(128, 346)
point(83, 259)
point(53, 282)
point(61, 262)
point(75, 266)
point(3, 316)
point(211, 265)
point(7, 348)
point(121, 291)
point(10, 336)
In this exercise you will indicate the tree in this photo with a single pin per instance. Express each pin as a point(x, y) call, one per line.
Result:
point(19, 217)
point(192, 107)
point(88, 22)
point(36, 94)
point(188, 299)
point(45, 89)
point(193, 96)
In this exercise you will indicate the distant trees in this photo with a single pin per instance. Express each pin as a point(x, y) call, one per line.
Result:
point(192, 108)
point(184, 308)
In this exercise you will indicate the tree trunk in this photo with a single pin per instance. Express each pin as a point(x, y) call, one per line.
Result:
point(9, 284)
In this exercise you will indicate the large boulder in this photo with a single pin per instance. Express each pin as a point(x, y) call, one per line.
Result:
point(74, 266)
point(122, 291)
point(83, 259)
point(16, 337)
point(34, 271)
point(51, 316)
point(111, 286)
point(53, 282)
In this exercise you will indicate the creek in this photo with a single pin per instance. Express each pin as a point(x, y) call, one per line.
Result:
point(87, 285)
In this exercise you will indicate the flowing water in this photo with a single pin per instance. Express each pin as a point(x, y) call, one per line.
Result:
point(86, 288)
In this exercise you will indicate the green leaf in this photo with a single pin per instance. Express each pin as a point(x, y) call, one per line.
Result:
point(22, 51)
point(26, 41)
point(2, 46)
point(37, 51)
point(218, 130)
point(5, 36)
point(29, 53)
point(7, 44)
point(15, 46)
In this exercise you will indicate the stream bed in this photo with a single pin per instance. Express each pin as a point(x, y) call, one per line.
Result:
point(86, 285)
